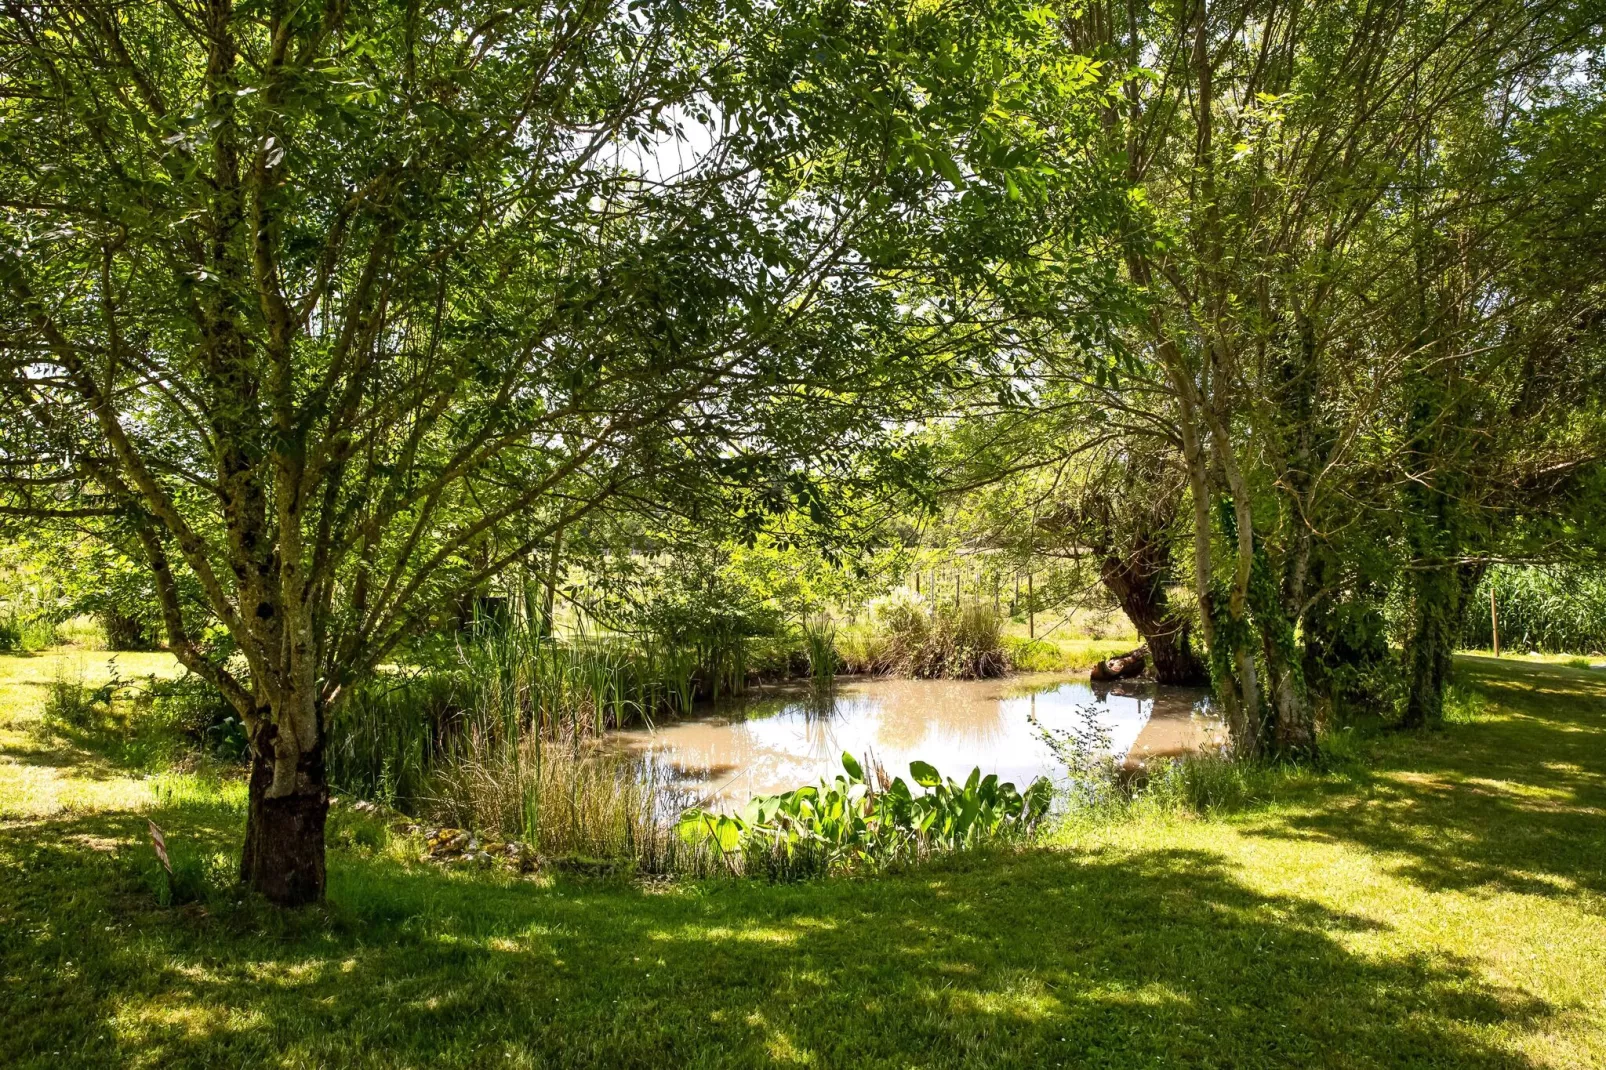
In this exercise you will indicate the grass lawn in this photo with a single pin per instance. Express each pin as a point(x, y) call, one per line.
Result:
point(1061, 650)
point(1441, 903)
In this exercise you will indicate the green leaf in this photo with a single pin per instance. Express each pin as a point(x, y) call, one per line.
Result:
point(925, 774)
point(851, 764)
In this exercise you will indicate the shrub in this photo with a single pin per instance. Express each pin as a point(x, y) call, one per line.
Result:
point(1350, 664)
point(1085, 751)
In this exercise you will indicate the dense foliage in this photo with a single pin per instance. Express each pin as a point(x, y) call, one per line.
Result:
point(336, 339)
point(1552, 610)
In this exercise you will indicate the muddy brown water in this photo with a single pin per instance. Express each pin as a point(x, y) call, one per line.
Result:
point(776, 740)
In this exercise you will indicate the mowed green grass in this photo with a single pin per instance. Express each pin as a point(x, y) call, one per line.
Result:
point(1439, 902)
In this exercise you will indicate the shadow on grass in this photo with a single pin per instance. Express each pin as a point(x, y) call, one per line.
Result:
point(64, 751)
point(1514, 801)
point(1033, 959)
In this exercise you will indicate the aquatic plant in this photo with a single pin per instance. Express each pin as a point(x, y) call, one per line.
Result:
point(846, 824)
point(497, 734)
point(564, 797)
point(819, 638)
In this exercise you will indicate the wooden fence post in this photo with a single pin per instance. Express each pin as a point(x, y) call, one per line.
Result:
point(1494, 621)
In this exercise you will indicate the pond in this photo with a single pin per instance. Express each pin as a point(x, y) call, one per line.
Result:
point(779, 739)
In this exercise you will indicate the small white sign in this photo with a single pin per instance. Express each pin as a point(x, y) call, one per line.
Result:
point(160, 843)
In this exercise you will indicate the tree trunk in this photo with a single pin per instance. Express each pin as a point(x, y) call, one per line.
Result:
point(283, 857)
point(1433, 636)
point(1138, 584)
point(549, 596)
point(1120, 667)
point(123, 632)
point(1293, 732)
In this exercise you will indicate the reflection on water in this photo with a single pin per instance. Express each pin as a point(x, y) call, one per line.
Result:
point(782, 740)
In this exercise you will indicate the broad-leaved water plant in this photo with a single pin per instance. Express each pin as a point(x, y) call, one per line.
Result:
point(849, 824)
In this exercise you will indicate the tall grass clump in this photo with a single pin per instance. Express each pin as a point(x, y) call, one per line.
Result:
point(1556, 610)
point(563, 796)
point(499, 733)
point(1202, 784)
point(25, 628)
point(819, 640)
point(904, 634)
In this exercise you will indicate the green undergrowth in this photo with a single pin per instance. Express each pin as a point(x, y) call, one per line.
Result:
point(1062, 654)
point(1432, 899)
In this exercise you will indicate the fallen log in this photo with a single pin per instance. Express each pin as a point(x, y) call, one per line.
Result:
point(1122, 666)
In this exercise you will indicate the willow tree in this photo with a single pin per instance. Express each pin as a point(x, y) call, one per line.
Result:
point(1276, 146)
point(332, 311)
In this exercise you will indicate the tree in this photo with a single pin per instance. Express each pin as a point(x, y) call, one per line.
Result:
point(1277, 147)
point(335, 311)
point(1075, 473)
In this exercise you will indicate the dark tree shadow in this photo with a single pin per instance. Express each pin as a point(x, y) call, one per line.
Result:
point(1514, 801)
point(1042, 958)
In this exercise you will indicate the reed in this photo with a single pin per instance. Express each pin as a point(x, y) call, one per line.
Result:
point(903, 634)
point(1553, 610)
point(565, 797)
point(819, 640)
point(501, 735)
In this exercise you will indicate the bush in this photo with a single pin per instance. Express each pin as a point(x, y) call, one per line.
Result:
point(1350, 663)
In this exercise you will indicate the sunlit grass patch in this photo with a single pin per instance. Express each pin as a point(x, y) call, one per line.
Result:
point(1427, 900)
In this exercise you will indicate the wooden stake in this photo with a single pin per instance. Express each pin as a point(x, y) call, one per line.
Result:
point(1494, 622)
